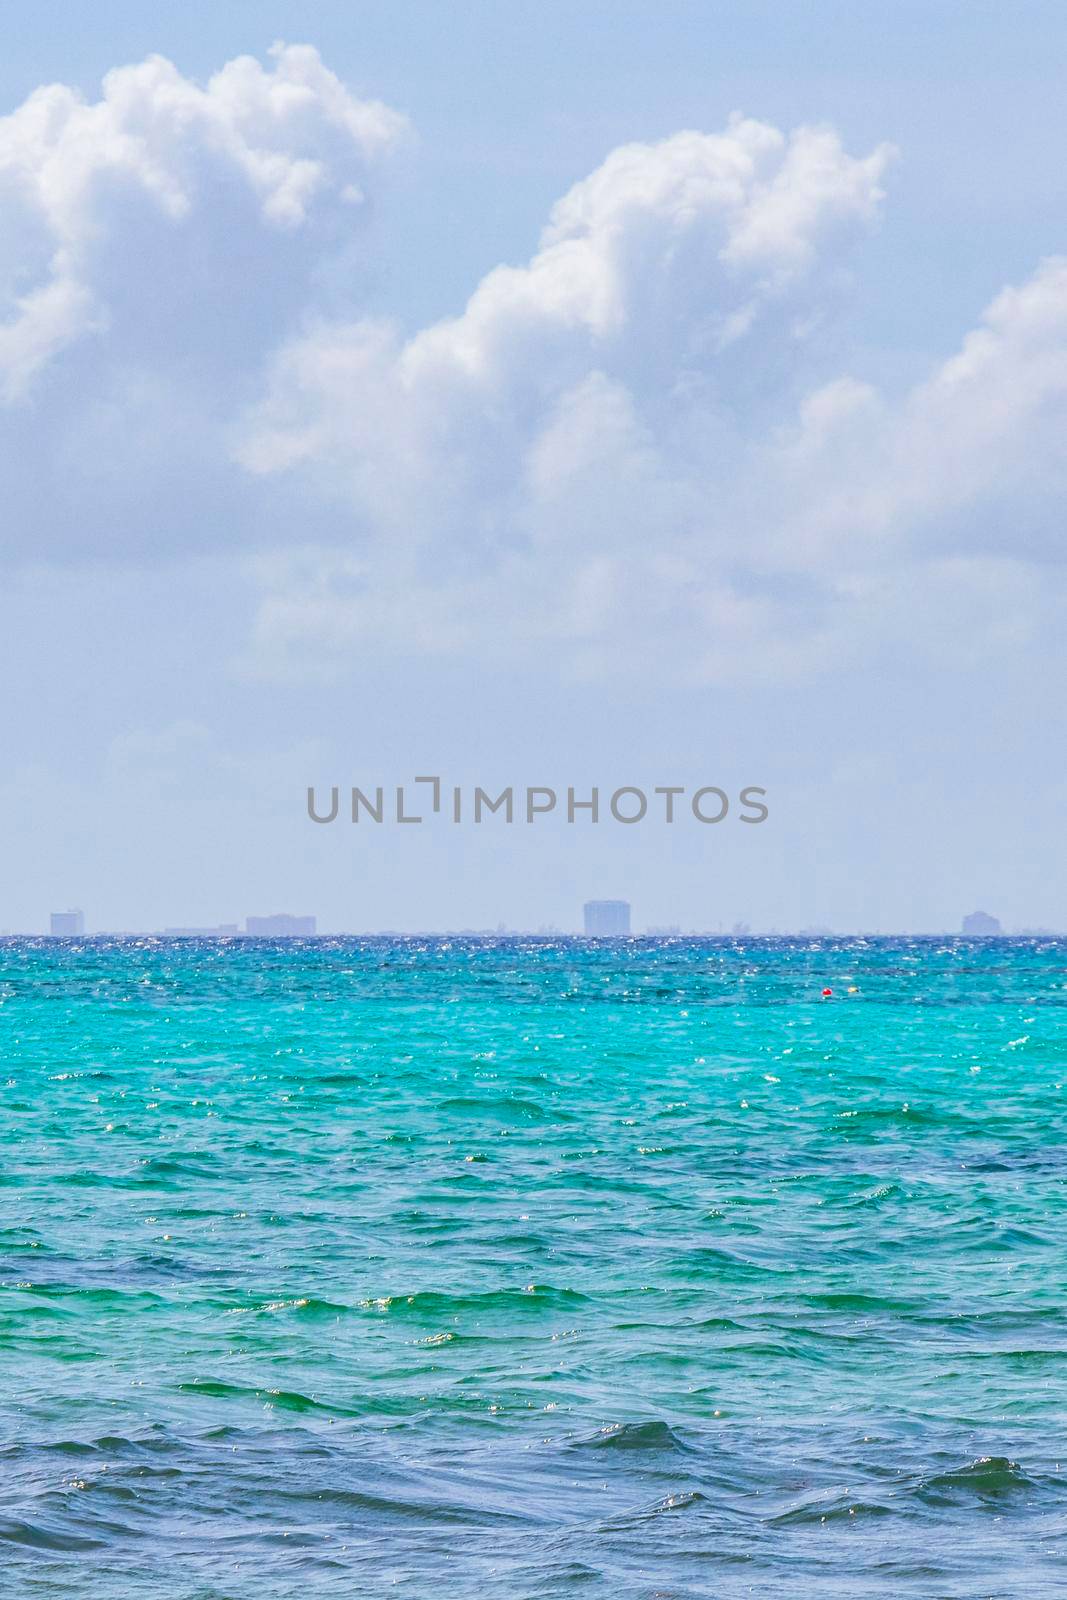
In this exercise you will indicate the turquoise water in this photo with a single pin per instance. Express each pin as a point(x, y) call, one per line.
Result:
point(533, 1269)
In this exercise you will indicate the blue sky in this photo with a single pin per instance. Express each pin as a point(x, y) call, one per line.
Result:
point(748, 470)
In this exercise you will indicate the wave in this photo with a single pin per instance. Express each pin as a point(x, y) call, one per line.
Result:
point(279, 1399)
point(984, 1478)
point(39, 1537)
point(651, 1435)
point(531, 1297)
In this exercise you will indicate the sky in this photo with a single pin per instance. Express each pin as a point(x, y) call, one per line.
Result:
point(542, 395)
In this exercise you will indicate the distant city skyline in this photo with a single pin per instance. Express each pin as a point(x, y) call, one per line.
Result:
point(598, 919)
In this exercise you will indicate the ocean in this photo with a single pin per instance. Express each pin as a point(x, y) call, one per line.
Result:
point(533, 1268)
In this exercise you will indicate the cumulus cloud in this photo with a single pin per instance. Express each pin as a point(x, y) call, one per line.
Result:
point(288, 135)
point(559, 460)
point(626, 450)
point(640, 448)
point(647, 271)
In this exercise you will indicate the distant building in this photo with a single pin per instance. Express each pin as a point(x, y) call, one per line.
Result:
point(605, 919)
point(223, 930)
point(280, 926)
point(980, 925)
point(669, 930)
point(67, 924)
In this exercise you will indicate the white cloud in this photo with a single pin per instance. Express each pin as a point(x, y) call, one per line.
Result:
point(993, 417)
point(632, 451)
point(624, 452)
point(289, 135)
point(547, 464)
point(648, 267)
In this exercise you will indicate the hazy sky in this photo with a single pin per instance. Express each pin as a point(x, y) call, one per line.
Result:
point(536, 394)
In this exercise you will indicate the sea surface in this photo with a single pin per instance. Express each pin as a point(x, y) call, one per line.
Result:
point(450, 1268)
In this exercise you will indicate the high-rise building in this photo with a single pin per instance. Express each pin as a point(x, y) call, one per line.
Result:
point(980, 925)
point(280, 926)
point(606, 919)
point(67, 924)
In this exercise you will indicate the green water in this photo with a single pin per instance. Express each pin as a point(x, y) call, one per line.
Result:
point(533, 1268)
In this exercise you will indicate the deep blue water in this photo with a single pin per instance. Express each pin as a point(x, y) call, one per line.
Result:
point(533, 1269)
